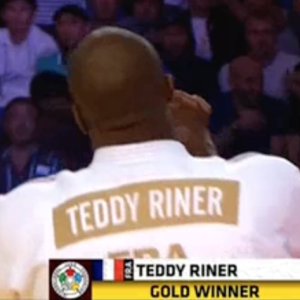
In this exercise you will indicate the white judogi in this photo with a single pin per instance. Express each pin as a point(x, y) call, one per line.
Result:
point(149, 195)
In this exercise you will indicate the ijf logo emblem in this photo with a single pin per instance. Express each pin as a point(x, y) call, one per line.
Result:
point(70, 280)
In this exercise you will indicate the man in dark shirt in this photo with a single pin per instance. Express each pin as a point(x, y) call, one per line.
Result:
point(246, 120)
point(72, 24)
point(24, 158)
point(58, 128)
point(177, 48)
point(145, 16)
point(105, 12)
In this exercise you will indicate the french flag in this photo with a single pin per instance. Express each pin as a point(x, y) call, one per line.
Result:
point(108, 270)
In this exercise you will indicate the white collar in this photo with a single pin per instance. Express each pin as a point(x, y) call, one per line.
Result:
point(199, 19)
point(6, 38)
point(140, 152)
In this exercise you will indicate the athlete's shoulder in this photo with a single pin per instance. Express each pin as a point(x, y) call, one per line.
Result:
point(251, 162)
point(27, 198)
point(25, 208)
point(47, 179)
point(262, 160)
point(32, 193)
point(214, 159)
point(32, 188)
point(261, 167)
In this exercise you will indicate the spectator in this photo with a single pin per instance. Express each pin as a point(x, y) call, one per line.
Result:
point(21, 45)
point(144, 19)
point(106, 12)
point(192, 74)
point(71, 25)
point(58, 129)
point(47, 8)
point(246, 120)
point(261, 37)
point(286, 39)
point(24, 159)
point(218, 34)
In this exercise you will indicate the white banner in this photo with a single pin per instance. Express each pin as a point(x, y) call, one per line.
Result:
point(229, 270)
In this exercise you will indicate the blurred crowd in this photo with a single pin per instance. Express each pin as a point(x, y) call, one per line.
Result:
point(242, 57)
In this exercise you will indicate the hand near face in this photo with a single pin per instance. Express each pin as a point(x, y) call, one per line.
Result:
point(189, 116)
point(250, 119)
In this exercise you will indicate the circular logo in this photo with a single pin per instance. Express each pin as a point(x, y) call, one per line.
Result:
point(70, 280)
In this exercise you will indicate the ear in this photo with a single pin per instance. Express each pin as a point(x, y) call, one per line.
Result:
point(79, 119)
point(169, 88)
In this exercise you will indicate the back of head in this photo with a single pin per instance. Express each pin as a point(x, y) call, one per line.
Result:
point(246, 79)
point(117, 81)
point(242, 66)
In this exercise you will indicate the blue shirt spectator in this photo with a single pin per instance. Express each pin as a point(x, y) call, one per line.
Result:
point(245, 119)
point(24, 159)
point(59, 130)
point(40, 164)
point(225, 113)
point(53, 63)
point(72, 24)
point(226, 116)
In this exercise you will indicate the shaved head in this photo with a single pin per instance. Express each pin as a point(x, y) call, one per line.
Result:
point(244, 65)
point(246, 78)
point(117, 81)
